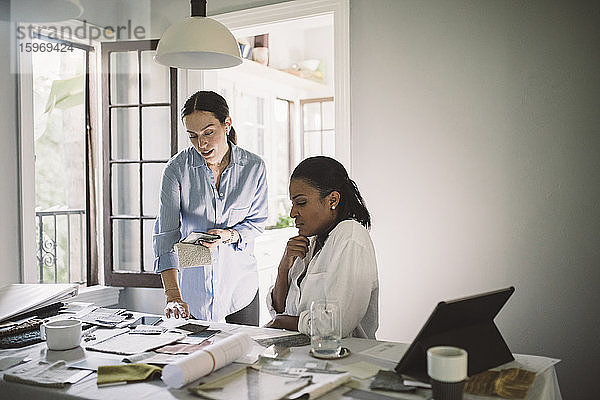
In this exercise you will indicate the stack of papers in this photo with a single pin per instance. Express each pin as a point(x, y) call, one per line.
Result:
point(105, 317)
point(56, 374)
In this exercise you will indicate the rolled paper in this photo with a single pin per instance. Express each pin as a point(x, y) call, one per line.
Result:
point(206, 360)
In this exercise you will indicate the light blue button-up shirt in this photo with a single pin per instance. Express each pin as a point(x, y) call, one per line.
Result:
point(190, 202)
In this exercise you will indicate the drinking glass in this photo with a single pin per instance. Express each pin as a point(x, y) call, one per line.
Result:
point(325, 329)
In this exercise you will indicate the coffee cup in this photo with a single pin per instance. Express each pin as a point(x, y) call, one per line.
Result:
point(447, 368)
point(62, 334)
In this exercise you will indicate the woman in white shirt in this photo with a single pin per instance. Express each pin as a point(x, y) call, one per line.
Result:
point(332, 258)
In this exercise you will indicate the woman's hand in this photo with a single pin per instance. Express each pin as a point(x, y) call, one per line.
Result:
point(282, 321)
point(224, 237)
point(177, 308)
point(296, 247)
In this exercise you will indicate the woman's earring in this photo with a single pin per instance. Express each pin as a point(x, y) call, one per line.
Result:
point(333, 207)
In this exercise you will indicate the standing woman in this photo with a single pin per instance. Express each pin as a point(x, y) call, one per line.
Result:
point(332, 257)
point(216, 187)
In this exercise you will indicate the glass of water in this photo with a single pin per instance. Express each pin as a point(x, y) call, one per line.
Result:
point(325, 329)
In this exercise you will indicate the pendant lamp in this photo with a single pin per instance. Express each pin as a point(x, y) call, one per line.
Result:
point(198, 42)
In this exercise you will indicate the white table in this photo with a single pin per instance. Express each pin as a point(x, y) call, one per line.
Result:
point(544, 387)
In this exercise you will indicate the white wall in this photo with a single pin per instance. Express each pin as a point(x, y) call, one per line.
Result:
point(476, 145)
point(9, 209)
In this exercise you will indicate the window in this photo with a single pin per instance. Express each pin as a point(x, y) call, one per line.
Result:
point(318, 127)
point(139, 106)
point(56, 127)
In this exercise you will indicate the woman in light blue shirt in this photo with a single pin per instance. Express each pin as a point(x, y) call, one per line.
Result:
point(216, 187)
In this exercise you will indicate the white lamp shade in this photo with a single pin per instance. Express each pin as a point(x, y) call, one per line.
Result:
point(198, 43)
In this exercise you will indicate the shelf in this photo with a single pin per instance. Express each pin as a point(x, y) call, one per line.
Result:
point(256, 70)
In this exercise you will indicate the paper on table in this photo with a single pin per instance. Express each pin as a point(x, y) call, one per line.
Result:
point(360, 370)
point(535, 364)
point(386, 351)
point(206, 360)
point(182, 348)
point(128, 344)
point(92, 363)
point(297, 340)
point(164, 359)
point(321, 384)
point(250, 384)
point(11, 361)
point(50, 375)
point(77, 308)
point(151, 357)
point(286, 364)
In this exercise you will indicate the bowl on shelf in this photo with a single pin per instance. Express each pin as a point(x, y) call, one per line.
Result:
point(310, 65)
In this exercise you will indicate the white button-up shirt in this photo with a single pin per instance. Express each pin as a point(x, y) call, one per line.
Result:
point(190, 202)
point(345, 270)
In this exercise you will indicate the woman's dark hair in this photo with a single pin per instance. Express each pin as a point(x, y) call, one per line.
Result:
point(326, 175)
point(211, 102)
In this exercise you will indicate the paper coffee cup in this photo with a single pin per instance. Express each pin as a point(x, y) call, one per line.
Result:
point(447, 368)
point(447, 363)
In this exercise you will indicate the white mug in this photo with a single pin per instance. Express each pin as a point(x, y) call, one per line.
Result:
point(62, 334)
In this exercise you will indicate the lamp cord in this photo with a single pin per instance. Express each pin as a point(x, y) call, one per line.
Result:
point(198, 8)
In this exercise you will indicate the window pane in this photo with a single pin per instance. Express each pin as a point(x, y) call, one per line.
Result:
point(156, 133)
point(59, 134)
point(328, 115)
point(248, 138)
point(148, 252)
point(125, 189)
point(124, 77)
point(76, 247)
point(329, 143)
point(126, 245)
point(312, 116)
point(151, 174)
point(280, 173)
point(312, 144)
point(249, 124)
point(124, 132)
point(155, 80)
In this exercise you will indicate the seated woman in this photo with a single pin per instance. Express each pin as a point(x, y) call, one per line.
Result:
point(332, 258)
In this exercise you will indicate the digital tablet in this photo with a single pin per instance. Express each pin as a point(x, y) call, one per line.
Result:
point(467, 323)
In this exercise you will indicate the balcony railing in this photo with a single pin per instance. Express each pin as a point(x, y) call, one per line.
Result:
point(61, 252)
